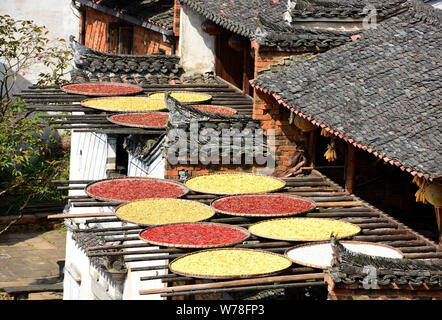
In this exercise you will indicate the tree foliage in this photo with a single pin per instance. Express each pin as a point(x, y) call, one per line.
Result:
point(27, 160)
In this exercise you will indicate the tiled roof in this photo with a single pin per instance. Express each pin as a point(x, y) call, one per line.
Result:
point(349, 268)
point(243, 17)
point(148, 10)
point(182, 115)
point(92, 65)
point(275, 20)
point(343, 8)
point(381, 93)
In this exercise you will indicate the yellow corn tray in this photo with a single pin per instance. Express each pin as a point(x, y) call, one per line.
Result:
point(184, 96)
point(303, 229)
point(229, 263)
point(156, 211)
point(234, 183)
point(125, 104)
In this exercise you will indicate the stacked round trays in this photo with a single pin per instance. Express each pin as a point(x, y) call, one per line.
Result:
point(102, 89)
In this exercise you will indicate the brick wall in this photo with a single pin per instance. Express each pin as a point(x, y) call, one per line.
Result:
point(145, 41)
point(274, 116)
point(194, 170)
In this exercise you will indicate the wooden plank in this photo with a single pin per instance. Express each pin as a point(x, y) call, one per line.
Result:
point(340, 204)
point(80, 215)
point(234, 283)
point(350, 165)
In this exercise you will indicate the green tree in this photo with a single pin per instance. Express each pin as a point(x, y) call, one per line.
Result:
point(27, 162)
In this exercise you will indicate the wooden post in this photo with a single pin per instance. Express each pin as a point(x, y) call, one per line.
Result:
point(437, 211)
point(246, 67)
point(312, 147)
point(350, 164)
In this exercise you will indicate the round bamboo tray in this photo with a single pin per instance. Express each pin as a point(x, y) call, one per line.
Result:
point(300, 239)
point(230, 276)
point(161, 106)
point(228, 111)
point(210, 212)
point(204, 97)
point(182, 187)
point(245, 232)
point(283, 184)
point(111, 118)
point(270, 215)
point(70, 88)
point(312, 265)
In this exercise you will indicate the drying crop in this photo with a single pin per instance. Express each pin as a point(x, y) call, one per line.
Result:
point(263, 205)
point(226, 263)
point(234, 183)
point(163, 211)
point(201, 234)
point(216, 109)
point(101, 88)
point(185, 97)
point(303, 229)
point(145, 120)
point(320, 254)
point(125, 104)
point(134, 188)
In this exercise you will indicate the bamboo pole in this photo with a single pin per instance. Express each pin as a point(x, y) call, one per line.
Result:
point(234, 283)
point(80, 215)
point(340, 204)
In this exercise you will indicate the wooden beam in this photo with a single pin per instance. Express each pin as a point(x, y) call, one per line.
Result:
point(233, 283)
point(437, 211)
point(350, 164)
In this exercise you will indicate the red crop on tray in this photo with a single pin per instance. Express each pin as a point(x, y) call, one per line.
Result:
point(262, 205)
point(101, 88)
point(153, 119)
point(195, 234)
point(133, 189)
point(216, 109)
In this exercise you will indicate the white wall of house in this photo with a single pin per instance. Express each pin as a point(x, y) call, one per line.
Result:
point(89, 157)
point(196, 48)
point(56, 15)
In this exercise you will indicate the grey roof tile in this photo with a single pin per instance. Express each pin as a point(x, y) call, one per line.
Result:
point(382, 90)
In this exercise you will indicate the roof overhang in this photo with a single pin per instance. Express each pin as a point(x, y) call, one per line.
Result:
point(347, 139)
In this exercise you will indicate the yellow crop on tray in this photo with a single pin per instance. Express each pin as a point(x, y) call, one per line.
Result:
point(125, 104)
point(183, 96)
point(229, 262)
point(303, 229)
point(234, 183)
point(155, 211)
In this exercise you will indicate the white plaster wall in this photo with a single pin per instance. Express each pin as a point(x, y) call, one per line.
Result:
point(56, 15)
point(137, 168)
point(196, 48)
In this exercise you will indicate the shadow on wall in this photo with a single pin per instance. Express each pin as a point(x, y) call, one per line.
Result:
point(23, 83)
